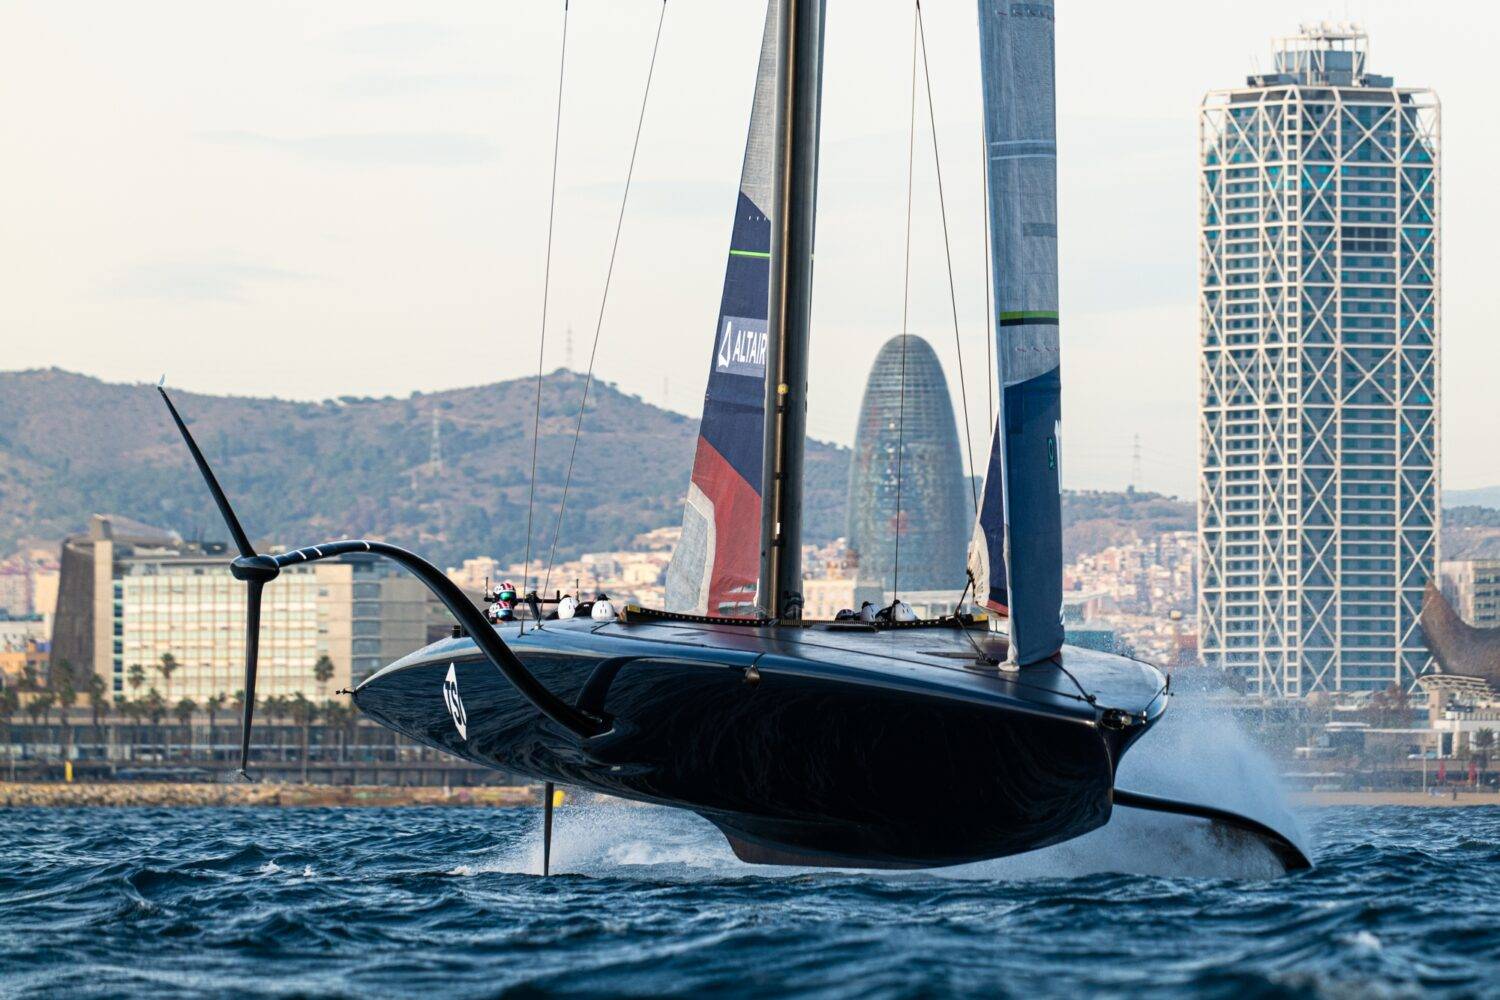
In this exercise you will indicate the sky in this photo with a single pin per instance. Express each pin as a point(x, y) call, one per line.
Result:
point(350, 198)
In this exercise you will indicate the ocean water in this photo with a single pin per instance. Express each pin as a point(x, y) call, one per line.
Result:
point(445, 902)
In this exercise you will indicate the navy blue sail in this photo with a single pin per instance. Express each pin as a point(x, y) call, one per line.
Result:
point(715, 565)
point(1017, 559)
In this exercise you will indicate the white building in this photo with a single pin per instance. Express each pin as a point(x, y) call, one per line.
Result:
point(1319, 326)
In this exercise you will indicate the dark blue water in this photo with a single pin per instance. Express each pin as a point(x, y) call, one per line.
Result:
point(412, 902)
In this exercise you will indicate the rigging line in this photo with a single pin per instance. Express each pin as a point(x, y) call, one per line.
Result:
point(911, 146)
point(989, 305)
point(937, 166)
point(536, 421)
point(604, 298)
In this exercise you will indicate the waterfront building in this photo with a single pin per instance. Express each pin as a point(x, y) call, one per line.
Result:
point(22, 661)
point(28, 581)
point(1318, 508)
point(906, 449)
point(131, 595)
point(1472, 586)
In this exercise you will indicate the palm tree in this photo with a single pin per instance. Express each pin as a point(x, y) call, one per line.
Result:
point(304, 712)
point(124, 710)
point(333, 721)
point(135, 676)
point(67, 697)
point(96, 688)
point(10, 703)
point(323, 673)
point(275, 708)
point(155, 707)
point(1483, 742)
point(213, 706)
point(40, 708)
point(184, 710)
point(166, 668)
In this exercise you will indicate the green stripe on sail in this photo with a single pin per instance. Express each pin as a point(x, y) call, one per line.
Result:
point(1029, 314)
point(758, 254)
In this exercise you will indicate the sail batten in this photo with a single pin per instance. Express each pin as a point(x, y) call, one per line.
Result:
point(716, 563)
point(1016, 555)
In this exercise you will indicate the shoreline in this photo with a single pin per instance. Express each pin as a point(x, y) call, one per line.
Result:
point(20, 795)
point(1446, 800)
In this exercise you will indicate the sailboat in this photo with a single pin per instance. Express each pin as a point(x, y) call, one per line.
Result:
point(886, 744)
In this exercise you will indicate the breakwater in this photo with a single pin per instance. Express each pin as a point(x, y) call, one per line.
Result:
point(163, 793)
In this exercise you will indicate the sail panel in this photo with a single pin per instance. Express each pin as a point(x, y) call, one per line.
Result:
point(1021, 521)
point(715, 566)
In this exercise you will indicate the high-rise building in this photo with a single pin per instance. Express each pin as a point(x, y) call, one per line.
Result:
point(1319, 322)
point(906, 480)
point(131, 594)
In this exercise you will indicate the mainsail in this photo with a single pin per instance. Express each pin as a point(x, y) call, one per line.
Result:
point(716, 564)
point(1016, 559)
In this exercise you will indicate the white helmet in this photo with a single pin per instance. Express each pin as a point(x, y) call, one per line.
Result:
point(567, 607)
point(902, 612)
point(603, 610)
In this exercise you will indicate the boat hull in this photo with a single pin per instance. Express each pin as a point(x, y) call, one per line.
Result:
point(816, 752)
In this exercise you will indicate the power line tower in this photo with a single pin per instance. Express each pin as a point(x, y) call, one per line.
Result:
point(435, 450)
point(1135, 464)
point(568, 351)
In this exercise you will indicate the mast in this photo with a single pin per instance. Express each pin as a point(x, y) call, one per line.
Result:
point(794, 190)
point(1018, 563)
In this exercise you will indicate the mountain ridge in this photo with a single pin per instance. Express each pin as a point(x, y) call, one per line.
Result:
point(302, 472)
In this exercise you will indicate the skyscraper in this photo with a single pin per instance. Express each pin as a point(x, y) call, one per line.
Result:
point(935, 510)
point(1319, 323)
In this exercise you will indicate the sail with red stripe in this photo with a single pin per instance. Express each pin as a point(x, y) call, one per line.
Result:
point(717, 562)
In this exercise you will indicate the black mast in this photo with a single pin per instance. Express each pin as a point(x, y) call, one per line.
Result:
point(794, 185)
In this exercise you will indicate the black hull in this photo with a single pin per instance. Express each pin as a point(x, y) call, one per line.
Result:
point(805, 751)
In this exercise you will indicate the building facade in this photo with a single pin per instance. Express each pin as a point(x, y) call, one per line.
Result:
point(136, 597)
point(1472, 586)
point(907, 496)
point(1320, 328)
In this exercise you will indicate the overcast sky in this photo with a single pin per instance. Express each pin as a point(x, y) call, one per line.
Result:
point(311, 200)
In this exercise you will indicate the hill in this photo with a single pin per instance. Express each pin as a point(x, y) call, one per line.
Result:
point(301, 472)
point(1097, 519)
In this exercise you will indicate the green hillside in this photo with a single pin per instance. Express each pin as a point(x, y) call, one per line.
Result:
point(300, 473)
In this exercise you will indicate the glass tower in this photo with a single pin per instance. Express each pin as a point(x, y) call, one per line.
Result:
point(1319, 324)
point(906, 479)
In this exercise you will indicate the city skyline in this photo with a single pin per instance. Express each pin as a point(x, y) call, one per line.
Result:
point(200, 218)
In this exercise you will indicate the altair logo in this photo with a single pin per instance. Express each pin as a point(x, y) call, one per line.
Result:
point(742, 347)
point(455, 703)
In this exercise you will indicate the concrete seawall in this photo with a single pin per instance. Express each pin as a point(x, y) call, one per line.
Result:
point(57, 794)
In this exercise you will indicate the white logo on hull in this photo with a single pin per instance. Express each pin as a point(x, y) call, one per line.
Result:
point(455, 703)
